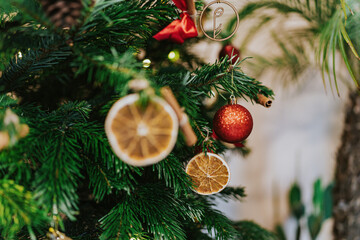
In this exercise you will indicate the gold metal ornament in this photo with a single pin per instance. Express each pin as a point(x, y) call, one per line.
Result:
point(218, 13)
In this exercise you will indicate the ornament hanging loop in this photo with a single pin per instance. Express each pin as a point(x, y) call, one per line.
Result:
point(232, 96)
point(232, 100)
point(207, 138)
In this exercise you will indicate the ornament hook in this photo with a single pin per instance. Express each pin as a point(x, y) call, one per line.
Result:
point(207, 141)
point(207, 138)
point(233, 99)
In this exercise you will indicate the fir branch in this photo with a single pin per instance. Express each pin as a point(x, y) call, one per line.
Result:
point(122, 223)
point(197, 233)
point(18, 209)
point(125, 22)
point(7, 102)
point(15, 163)
point(172, 171)
point(217, 224)
point(21, 70)
point(73, 140)
point(151, 208)
point(112, 70)
point(26, 11)
point(108, 172)
point(251, 231)
point(57, 178)
point(229, 193)
point(56, 147)
point(223, 76)
point(99, 180)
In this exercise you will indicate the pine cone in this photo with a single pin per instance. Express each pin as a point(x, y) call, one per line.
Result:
point(63, 13)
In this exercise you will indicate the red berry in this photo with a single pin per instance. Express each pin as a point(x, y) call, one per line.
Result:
point(229, 50)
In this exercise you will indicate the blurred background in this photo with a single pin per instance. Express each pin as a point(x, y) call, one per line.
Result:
point(294, 141)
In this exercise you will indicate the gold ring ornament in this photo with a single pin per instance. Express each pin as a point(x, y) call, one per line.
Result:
point(218, 13)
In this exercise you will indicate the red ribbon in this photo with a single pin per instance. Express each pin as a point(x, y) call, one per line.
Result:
point(179, 29)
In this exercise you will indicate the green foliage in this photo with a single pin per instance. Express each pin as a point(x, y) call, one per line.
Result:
point(251, 231)
point(118, 23)
point(351, 26)
point(30, 64)
point(222, 76)
point(314, 224)
point(317, 196)
point(232, 193)
point(150, 210)
point(233, 81)
point(322, 208)
point(332, 37)
point(328, 201)
point(296, 205)
point(161, 215)
point(171, 170)
point(18, 208)
point(280, 232)
point(322, 200)
point(57, 178)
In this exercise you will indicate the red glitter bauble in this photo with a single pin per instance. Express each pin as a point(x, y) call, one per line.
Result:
point(227, 50)
point(232, 123)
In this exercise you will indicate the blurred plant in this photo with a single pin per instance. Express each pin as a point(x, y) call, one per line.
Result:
point(297, 206)
point(326, 27)
point(321, 210)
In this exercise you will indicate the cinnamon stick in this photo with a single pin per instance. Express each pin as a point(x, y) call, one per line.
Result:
point(190, 136)
point(262, 100)
point(191, 9)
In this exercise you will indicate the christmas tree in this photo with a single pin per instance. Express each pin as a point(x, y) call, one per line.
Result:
point(89, 136)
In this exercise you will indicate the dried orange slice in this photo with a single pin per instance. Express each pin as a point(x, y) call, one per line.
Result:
point(141, 136)
point(209, 173)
